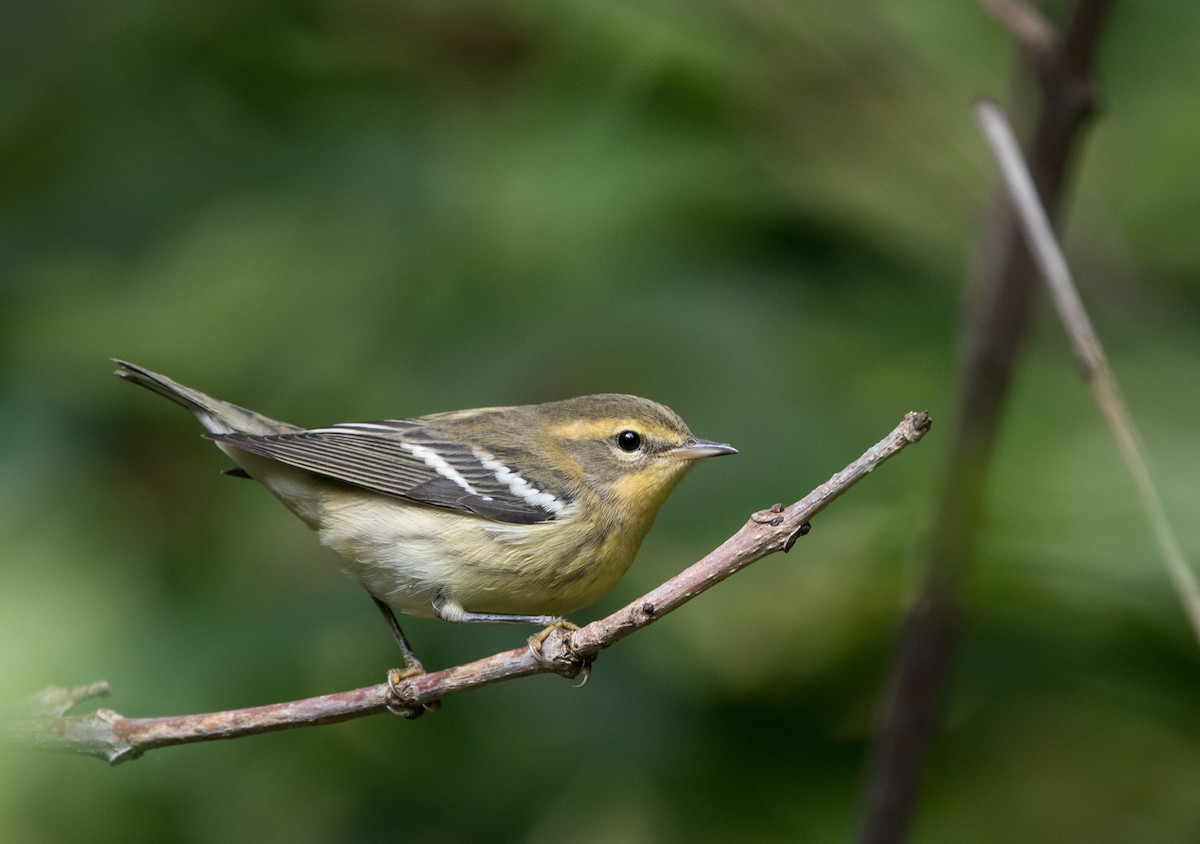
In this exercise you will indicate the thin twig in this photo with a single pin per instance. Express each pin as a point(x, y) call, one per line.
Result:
point(1086, 344)
point(112, 736)
point(56, 700)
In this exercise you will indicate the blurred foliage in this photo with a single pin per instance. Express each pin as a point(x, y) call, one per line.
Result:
point(760, 214)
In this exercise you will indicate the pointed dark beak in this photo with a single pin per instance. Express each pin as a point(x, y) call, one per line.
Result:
point(695, 448)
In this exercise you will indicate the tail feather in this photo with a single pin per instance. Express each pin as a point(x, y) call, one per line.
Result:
point(218, 417)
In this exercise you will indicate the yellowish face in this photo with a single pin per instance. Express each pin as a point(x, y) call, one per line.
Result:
point(632, 463)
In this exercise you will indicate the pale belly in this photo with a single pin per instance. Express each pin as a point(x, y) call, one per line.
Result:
point(408, 556)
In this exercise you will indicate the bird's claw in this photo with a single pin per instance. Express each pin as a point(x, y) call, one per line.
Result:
point(396, 704)
point(584, 667)
point(538, 639)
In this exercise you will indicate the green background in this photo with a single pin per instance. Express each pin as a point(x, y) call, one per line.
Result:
point(762, 215)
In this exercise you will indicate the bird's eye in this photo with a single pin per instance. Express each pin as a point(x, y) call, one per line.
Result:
point(628, 441)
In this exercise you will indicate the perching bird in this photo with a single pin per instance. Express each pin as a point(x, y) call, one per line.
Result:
point(515, 514)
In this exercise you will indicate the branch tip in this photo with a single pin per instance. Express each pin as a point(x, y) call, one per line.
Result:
point(917, 425)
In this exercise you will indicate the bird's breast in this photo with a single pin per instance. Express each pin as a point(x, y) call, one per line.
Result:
point(408, 554)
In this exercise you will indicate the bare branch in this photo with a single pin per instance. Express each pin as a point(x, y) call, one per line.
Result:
point(112, 736)
point(1086, 344)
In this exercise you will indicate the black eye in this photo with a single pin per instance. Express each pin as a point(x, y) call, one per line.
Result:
point(628, 441)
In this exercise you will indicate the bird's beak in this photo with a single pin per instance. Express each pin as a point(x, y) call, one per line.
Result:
point(695, 448)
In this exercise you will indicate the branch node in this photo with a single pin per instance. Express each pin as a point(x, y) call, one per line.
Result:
point(799, 532)
point(771, 516)
point(109, 716)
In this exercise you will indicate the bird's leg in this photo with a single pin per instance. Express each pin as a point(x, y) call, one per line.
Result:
point(412, 667)
point(449, 610)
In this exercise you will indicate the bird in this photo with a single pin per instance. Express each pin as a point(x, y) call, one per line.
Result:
point(517, 514)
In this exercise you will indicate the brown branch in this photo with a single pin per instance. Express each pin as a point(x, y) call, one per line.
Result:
point(112, 736)
point(994, 333)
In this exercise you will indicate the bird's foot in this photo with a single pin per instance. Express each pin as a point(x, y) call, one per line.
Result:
point(398, 703)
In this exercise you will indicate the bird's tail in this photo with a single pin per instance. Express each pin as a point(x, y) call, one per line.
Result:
point(218, 417)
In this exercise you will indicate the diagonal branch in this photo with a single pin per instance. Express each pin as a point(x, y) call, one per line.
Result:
point(1099, 375)
point(114, 737)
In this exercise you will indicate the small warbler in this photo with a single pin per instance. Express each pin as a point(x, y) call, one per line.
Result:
point(502, 514)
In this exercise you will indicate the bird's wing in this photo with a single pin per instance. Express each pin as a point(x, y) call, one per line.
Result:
point(400, 458)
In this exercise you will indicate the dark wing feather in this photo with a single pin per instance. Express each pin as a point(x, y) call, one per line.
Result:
point(398, 458)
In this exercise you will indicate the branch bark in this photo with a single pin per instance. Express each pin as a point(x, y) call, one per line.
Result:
point(994, 333)
point(112, 736)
